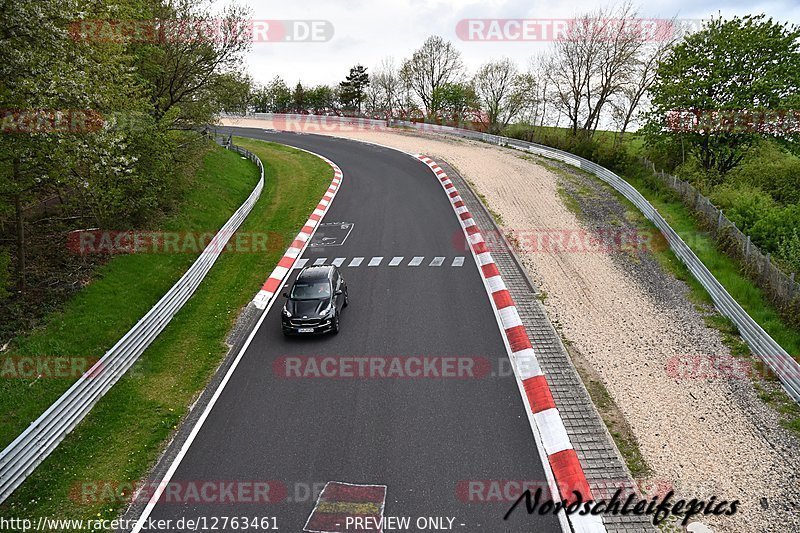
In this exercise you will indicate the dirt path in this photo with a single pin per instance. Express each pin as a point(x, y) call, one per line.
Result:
point(629, 320)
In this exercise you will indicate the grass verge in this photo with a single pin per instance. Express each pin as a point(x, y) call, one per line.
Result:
point(125, 432)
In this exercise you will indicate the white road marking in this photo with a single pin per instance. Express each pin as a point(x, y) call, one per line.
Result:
point(416, 261)
point(458, 261)
point(300, 263)
point(437, 262)
point(375, 261)
point(338, 261)
point(320, 261)
point(395, 261)
point(356, 261)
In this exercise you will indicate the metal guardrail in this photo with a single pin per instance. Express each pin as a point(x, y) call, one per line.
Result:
point(760, 342)
point(34, 444)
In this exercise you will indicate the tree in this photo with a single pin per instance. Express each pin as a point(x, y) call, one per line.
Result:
point(433, 65)
point(299, 102)
point(457, 103)
point(321, 99)
point(259, 97)
point(279, 96)
point(231, 92)
point(588, 65)
point(732, 69)
point(387, 86)
point(504, 93)
point(634, 88)
point(353, 88)
point(189, 56)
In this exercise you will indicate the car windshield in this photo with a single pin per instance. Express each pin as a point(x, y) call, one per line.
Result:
point(310, 290)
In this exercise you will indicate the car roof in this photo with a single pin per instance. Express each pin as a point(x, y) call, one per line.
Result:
point(315, 272)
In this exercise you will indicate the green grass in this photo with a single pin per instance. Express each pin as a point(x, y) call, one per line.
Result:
point(125, 432)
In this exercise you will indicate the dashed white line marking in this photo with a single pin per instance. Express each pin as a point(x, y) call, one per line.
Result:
point(395, 261)
point(458, 261)
point(437, 262)
point(356, 261)
point(416, 261)
point(300, 263)
point(338, 261)
point(375, 261)
point(320, 261)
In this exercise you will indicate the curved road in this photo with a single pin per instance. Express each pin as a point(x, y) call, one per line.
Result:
point(423, 438)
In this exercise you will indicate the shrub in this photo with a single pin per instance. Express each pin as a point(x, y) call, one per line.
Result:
point(776, 227)
point(789, 250)
point(772, 170)
point(744, 205)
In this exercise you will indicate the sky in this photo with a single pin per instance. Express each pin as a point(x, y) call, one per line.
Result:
point(367, 31)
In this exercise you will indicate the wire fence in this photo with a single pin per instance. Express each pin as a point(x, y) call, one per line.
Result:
point(782, 290)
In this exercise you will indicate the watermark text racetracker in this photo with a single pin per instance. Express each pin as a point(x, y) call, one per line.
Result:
point(572, 240)
point(546, 30)
point(87, 242)
point(387, 367)
point(187, 30)
point(205, 492)
point(724, 367)
point(55, 367)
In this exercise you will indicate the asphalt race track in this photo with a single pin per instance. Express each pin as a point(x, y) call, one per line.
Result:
point(423, 438)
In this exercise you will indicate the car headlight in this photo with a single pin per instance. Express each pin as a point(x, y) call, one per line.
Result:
point(328, 312)
point(286, 313)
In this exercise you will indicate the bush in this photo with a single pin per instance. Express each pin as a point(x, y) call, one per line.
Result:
point(772, 170)
point(776, 227)
point(789, 250)
point(745, 206)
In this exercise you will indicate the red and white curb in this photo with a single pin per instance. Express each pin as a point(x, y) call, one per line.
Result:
point(546, 420)
point(275, 279)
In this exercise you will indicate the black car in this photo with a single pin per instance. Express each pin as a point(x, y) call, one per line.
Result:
point(315, 301)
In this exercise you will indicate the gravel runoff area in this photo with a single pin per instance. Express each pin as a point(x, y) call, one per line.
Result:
point(629, 319)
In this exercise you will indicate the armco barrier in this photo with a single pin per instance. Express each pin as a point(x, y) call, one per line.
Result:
point(33, 446)
point(762, 345)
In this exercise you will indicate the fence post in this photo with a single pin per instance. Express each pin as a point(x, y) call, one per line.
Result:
point(747, 248)
point(719, 220)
